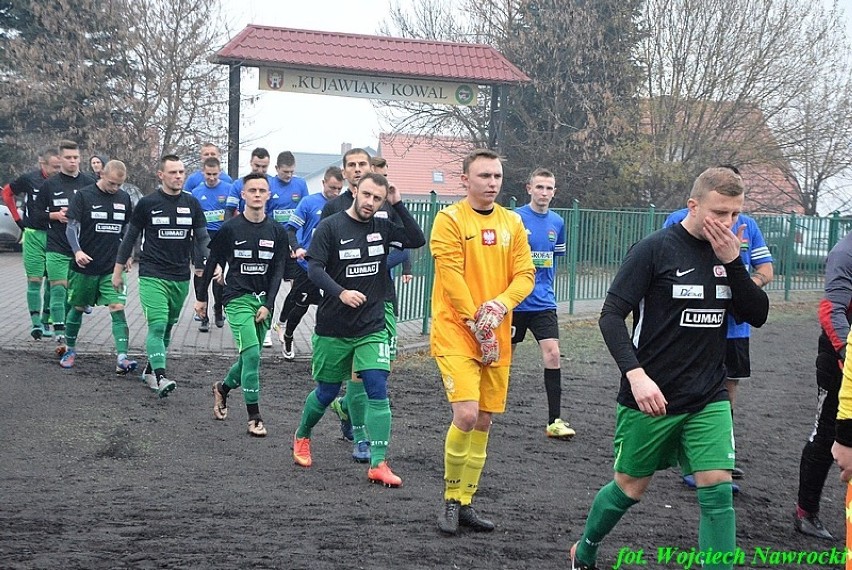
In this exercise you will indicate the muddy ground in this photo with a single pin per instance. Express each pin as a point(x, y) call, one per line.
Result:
point(96, 472)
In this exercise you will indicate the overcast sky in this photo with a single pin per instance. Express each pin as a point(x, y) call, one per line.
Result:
point(300, 122)
point(317, 123)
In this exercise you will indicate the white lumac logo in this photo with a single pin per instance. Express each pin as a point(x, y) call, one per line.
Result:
point(702, 318)
point(362, 269)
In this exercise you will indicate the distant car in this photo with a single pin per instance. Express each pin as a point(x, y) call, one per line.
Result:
point(10, 233)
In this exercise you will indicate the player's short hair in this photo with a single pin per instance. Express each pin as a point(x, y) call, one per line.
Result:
point(115, 166)
point(259, 152)
point(352, 151)
point(48, 152)
point(66, 144)
point(722, 179)
point(543, 172)
point(479, 153)
point(255, 176)
point(333, 172)
point(378, 162)
point(211, 162)
point(168, 158)
point(378, 179)
point(285, 158)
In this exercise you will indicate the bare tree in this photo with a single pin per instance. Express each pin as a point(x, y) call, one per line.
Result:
point(717, 73)
point(815, 129)
point(130, 79)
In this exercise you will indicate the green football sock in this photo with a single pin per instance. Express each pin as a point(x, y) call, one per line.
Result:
point(120, 332)
point(234, 375)
point(34, 301)
point(357, 398)
point(717, 526)
point(378, 419)
point(250, 376)
point(45, 307)
point(609, 506)
point(311, 415)
point(154, 345)
point(58, 293)
point(74, 320)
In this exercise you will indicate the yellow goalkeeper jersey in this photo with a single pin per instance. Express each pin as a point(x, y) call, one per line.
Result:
point(478, 258)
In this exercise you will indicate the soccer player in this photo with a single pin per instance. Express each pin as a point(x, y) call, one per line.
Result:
point(546, 235)
point(681, 283)
point(347, 259)
point(287, 190)
point(208, 150)
point(756, 256)
point(54, 198)
point(300, 229)
point(97, 219)
point(258, 164)
point(351, 408)
point(212, 194)
point(34, 225)
point(254, 248)
point(483, 270)
point(170, 221)
point(832, 349)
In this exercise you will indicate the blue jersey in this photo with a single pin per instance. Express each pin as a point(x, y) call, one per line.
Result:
point(753, 251)
point(235, 199)
point(197, 177)
point(284, 198)
point(546, 235)
point(304, 220)
point(213, 202)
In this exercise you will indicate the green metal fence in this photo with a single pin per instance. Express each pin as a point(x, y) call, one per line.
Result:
point(597, 241)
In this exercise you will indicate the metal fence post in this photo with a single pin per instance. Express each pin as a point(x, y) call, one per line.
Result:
point(430, 274)
point(790, 256)
point(573, 253)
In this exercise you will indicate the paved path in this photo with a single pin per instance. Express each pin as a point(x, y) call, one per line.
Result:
point(96, 333)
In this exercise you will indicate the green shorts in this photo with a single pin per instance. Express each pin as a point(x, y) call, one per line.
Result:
point(336, 358)
point(701, 441)
point(390, 326)
point(241, 312)
point(34, 244)
point(93, 290)
point(161, 299)
point(58, 265)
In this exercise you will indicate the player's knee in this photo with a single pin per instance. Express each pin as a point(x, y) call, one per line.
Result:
point(326, 392)
point(375, 384)
point(115, 307)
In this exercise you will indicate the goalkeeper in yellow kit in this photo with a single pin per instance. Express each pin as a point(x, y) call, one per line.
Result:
point(483, 270)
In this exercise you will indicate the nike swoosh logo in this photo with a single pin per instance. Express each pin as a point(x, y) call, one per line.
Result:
point(240, 242)
point(345, 241)
point(680, 273)
point(469, 237)
point(96, 207)
point(155, 212)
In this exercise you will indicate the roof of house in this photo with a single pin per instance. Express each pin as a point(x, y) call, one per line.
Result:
point(417, 164)
point(375, 55)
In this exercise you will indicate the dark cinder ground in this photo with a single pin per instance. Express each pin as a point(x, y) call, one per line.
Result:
point(95, 472)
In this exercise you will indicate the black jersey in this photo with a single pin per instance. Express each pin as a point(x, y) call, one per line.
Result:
point(341, 203)
point(255, 254)
point(29, 185)
point(103, 218)
point(55, 194)
point(680, 294)
point(354, 255)
point(167, 223)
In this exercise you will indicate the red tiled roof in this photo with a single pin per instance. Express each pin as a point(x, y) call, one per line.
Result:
point(375, 55)
point(413, 161)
